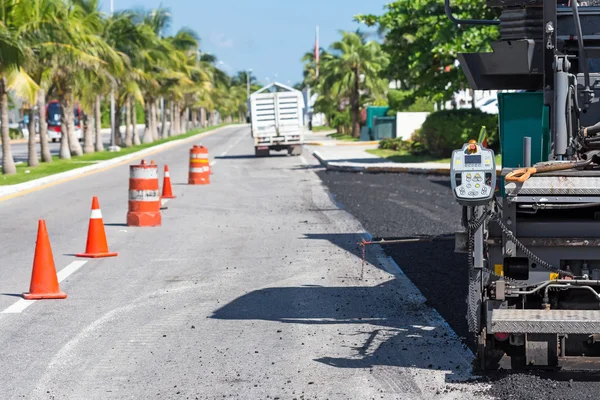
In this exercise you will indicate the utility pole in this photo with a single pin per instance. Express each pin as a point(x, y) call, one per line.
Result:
point(113, 146)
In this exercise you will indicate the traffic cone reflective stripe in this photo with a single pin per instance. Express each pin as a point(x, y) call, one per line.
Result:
point(96, 241)
point(44, 282)
point(167, 192)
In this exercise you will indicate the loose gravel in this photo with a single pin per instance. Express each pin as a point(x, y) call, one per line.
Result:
point(402, 205)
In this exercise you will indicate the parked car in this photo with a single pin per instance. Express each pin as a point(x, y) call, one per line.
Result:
point(54, 124)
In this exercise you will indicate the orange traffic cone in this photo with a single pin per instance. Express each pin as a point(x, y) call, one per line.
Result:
point(167, 192)
point(96, 241)
point(44, 282)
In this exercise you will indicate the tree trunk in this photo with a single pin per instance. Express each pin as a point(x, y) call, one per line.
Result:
point(172, 118)
point(88, 135)
point(194, 119)
point(148, 137)
point(68, 120)
point(98, 123)
point(118, 118)
point(32, 157)
point(184, 120)
point(8, 163)
point(136, 136)
point(64, 152)
point(175, 122)
point(154, 114)
point(128, 136)
point(203, 117)
point(45, 149)
point(163, 119)
point(355, 106)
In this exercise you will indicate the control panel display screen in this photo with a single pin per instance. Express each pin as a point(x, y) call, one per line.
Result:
point(473, 159)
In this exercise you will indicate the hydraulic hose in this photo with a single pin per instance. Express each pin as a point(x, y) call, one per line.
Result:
point(522, 174)
point(582, 55)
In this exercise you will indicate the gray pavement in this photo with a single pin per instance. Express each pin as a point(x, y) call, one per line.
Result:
point(250, 289)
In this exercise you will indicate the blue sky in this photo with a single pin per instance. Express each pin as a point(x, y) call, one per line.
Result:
point(267, 36)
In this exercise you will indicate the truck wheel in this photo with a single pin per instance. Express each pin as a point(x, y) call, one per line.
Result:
point(295, 150)
point(261, 153)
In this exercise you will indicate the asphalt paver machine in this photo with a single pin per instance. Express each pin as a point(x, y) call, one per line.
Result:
point(532, 232)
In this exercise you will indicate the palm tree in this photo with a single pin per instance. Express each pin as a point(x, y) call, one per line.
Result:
point(38, 31)
point(12, 56)
point(78, 49)
point(354, 68)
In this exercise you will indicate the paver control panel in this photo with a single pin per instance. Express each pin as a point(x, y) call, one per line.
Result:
point(473, 174)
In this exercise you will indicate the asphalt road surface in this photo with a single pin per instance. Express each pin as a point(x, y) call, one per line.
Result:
point(252, 288)
point(402, 205)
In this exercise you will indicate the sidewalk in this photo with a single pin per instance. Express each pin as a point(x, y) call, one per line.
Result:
point(321, 139)
point(356, 159)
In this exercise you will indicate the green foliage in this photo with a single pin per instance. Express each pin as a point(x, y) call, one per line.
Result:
point(422, 43)
point(342, 121)
point(406, 101)
point(339, 83)
point(445, 131)
point(395, 144)
point(105, 114)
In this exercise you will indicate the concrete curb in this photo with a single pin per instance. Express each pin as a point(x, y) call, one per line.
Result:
point(374, 168)
point(12, 190)
point(340, 143)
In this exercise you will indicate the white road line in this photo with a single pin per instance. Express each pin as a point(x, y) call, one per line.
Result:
point(232, 146)
point(69, 269)
point(63, 274)
point(18, 307)
point(303, 160)
point(213, 163)
point(164, 201)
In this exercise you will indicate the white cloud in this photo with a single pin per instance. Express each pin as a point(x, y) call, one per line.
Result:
point(220, 40)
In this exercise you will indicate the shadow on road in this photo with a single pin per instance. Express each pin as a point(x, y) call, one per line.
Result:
point(391, 329)
point(12, 294)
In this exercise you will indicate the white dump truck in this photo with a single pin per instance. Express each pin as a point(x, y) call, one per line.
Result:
point(276, 119)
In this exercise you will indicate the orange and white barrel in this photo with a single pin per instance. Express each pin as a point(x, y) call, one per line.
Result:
point(199, 173)
point(144, 195)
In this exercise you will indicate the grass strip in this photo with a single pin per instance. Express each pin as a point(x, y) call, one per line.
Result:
point(343, 137)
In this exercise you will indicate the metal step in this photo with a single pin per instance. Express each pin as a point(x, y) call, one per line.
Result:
point(546, 321)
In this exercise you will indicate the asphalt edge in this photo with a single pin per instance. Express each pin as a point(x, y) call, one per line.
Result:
point(390, 266)
point(335, 166)
point(13, 190)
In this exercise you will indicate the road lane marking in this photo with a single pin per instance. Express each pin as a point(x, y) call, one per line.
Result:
point(213, 163)
point(18, 307)
point(232, 146)
point(303, 160)
point(71, 178)
point(69, 269)
point(63, 274)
